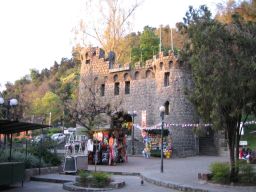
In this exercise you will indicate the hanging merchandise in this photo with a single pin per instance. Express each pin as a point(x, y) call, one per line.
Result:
point(152, 141)
point(90, 145)
point(111, 147)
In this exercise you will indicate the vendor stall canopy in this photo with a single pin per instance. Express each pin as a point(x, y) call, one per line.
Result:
point(9, 127)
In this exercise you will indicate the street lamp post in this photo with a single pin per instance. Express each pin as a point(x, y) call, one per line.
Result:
point(133, 115)
point(7, 106)
point(162, 109)
point(11, 103)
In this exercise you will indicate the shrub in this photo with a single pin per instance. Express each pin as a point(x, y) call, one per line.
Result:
point(30, 161)
point(220, 172)
point(84, 178)
point(54, 130)
point(246, 174)
point(50, 158)
point(101, 179)
point(96, 179)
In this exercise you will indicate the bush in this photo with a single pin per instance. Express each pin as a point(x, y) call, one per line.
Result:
point(246, 174)
point(51, 131)
point(220, 172)
point(101, 179)
point(84, 178)
point(50, 158)
point(30, 161)
point(96, 179)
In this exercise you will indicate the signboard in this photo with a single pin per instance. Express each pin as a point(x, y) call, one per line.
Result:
point(143, 119)
point(243, 143)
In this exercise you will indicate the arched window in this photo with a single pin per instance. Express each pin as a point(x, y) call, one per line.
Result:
point(137, 75)
point(106, 78)
point(115, 77)
point(126, 76)
point(148, 74)
point(167, 108)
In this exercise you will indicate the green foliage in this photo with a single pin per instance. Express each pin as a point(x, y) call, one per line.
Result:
point(222, 60)
point(246, 172)
point(250, 137)
point(49, 103)
point(35, 76)
point(50, 158)
point(31, 161)
point(51, 131)
point(220, 172)
point(149, 43)
point(95, 179)
point(56, 85)
point(101, 179)
point(84, 177)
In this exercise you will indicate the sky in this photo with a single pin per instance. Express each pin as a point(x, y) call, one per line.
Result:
point(35, 33)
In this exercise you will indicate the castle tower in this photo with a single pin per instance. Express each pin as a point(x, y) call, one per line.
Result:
point(161, 81)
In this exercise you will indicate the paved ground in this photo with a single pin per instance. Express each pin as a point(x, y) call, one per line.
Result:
point(132, 185)
point(181, 173)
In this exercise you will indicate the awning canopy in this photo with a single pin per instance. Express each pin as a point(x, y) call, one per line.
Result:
point(9, 127)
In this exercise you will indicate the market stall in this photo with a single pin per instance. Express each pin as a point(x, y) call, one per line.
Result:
point(109, 147)
point(152, 141)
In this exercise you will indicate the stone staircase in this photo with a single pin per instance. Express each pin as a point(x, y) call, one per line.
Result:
point(207, 146)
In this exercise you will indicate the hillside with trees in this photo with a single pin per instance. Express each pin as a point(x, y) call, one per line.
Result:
point(49, 90)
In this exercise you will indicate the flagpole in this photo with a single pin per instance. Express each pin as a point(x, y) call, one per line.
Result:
point(160, 43)
point(171, 40)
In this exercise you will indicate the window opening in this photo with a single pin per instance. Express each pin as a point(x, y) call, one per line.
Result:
point(166, 79)
point(102, 90)
point(137, 75)
point(115, 77)
point(167, 108)
point(116, 89)
point(127, 87)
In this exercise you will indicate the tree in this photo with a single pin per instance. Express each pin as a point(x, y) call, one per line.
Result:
point(223, 64)
point(49, 103)
point(149, 43)
point(246, 9)
point(177, 38)
point(90, 110)
point(112, 24)
point(35, 76)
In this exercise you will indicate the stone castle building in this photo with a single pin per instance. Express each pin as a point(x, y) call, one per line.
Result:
point(160, 81)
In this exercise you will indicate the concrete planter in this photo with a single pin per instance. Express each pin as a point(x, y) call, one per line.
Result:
point(73, 186)
point(44, 170)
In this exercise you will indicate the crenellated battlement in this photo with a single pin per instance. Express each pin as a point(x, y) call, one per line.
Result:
point(100, 63)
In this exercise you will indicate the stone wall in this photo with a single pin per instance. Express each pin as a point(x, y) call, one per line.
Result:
point(148, 91)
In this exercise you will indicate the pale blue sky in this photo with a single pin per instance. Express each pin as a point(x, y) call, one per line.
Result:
point(35, 33)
